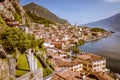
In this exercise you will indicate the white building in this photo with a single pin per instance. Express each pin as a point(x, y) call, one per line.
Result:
point(92, 62)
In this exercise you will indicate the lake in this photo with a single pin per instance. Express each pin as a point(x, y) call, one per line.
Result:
point(108, 47)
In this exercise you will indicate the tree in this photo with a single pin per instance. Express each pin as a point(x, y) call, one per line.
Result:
point(15, 41)
point(47, 71)
point(81, 42)
point(75, 49)
point(13, 38)
point(97, 30)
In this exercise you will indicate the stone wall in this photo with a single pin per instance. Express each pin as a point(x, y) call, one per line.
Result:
point(33, 75)
point(4, 69)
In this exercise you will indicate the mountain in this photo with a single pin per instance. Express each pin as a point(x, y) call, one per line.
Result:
point(43, 12)
point(111, 23)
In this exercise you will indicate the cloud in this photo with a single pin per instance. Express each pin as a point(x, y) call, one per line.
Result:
point(112, 0)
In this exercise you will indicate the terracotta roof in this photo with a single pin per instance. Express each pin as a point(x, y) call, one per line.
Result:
point(102, 76)
point(61, 63)
point(90, 57)
point(69, 75)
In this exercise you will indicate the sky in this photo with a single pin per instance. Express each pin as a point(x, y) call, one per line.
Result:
point(80, 11)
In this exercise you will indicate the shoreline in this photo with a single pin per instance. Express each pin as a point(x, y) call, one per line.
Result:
point(106, 35)
point(112, 57)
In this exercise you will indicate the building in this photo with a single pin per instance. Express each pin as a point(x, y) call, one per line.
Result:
point(70, 75)
point(59, 44)
point(73, 65)
point(92, 62)
point(101, 76)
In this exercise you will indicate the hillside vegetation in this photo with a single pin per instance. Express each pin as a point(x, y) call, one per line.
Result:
point(37, 19)
point(97, 30)
point(44, 13)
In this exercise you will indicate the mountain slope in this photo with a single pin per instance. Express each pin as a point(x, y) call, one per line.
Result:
point(43, 12)
point(111, 23)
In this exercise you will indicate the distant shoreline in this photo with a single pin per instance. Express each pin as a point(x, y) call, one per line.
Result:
point(107, 34)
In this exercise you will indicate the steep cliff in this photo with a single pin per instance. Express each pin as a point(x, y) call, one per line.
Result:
point(13, 10)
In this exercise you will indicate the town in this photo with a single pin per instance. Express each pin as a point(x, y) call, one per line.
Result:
point(61, 43)
point(47, 50)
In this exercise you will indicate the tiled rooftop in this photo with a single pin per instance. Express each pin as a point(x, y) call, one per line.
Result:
point(69, 75)
point(90, 57)
point(62, 63)
point(102, 76)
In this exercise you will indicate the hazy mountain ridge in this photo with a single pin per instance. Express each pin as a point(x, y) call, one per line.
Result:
point(111, 23)
point(43, 12)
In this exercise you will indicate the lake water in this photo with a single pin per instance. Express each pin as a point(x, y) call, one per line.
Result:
point(108, 47)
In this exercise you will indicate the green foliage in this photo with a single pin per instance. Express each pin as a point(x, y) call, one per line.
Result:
point(13, 38)
point(41, 46)
point(22, 62)
point(43, 12)
point(79, 43)
point(76, 50)
point(38, 19)
point(48, 61)
point(98, 30)
point(22, 65)
point(17, 17)
point(33, 41)
point(10, 79)
point(40, 43)
point(2, 22)
point(68, 56)
point(37, 49)
point(20, 72)
point(47, 71)
point(94, 34)
point(31, 75)
point(39, 65)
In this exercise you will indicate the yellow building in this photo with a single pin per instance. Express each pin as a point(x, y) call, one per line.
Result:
point(74, 65)
point(92, 62)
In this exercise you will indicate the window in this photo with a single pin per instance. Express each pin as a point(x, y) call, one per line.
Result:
point(95, 65)
point(103, 63)
point(90, 65)
point(84, 69)
point(103, 68)
point(84, 64)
